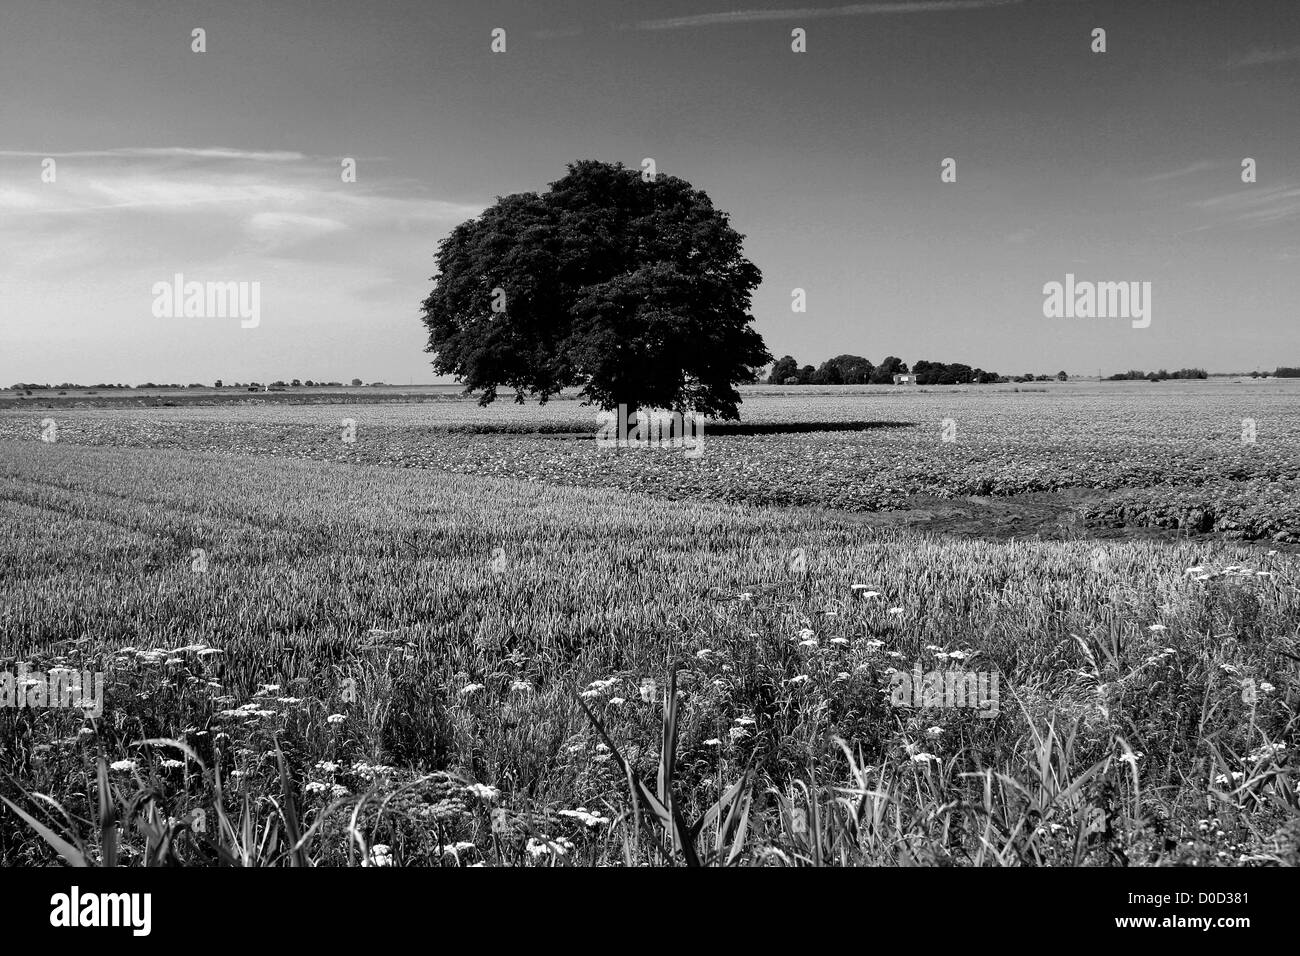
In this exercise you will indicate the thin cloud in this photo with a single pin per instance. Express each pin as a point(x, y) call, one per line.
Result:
point(1200, 166)
point(180, 179)
point(179, 152)
point(1253, 207)
point(207, 205)
point(813, 13)
point(1264, 58)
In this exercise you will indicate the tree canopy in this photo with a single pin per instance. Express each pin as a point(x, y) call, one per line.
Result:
point(632, 286)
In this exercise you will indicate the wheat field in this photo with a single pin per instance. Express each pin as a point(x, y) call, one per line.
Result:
point(467, 637)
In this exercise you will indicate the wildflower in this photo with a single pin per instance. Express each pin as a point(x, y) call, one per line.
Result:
point(1266, 752)
point(839, 640)
point(470, 689)
point(934, 731)
point(1157, 627)
point(1265, 687)
point(123, 766)
point(585, 816)
point(482, 791)
point(172, 764)
point(797, 679)
point(896, 612)
point(703, 653)
point(647, 690)
point(874, 645)
point(738, 733)
point(316, 786)
point(924, 758)
point(957, 655)
point(329, 766)
point(811, 642)
point(806, 633)
point(746, 596)
point(1225, 779)
point(380, 855)
point(335, 719)
point(521, 685)
point(616, 701)
point(558, 846)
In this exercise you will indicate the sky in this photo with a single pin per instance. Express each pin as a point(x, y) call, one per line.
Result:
point(225, 165)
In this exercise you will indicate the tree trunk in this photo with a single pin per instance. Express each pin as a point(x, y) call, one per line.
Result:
point(628, 410)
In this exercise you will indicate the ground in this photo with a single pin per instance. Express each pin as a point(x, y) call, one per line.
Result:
point(417, 618)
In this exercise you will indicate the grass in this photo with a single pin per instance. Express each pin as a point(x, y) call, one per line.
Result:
point(402, 666)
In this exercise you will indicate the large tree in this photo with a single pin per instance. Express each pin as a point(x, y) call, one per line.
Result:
point(884, 372)
point(853, 369)
point(784, 368)
point(632, 287)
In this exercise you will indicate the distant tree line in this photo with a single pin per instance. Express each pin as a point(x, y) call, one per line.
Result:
point(840, 370)
point(279, 383)
point(28, 386)
point(857, 370)
point(1160, 376)
point(1285, 372)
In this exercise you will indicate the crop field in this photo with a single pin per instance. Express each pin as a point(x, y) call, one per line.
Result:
point(452, 635)
point(1102, 455)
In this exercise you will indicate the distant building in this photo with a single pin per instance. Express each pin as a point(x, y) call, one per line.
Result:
point(905, 378)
